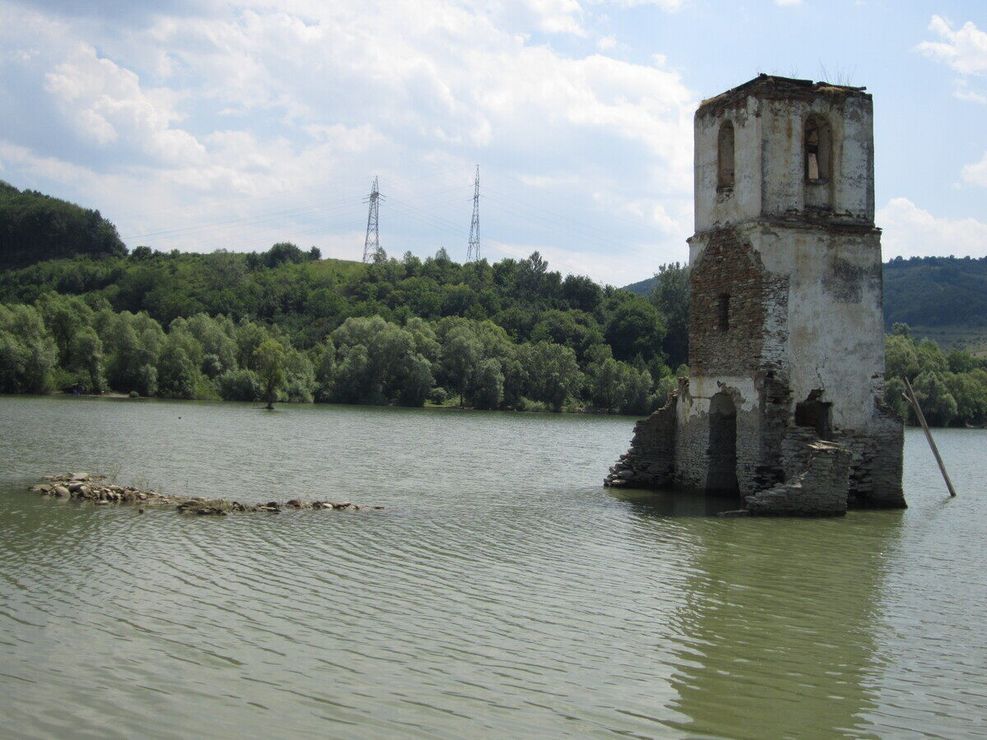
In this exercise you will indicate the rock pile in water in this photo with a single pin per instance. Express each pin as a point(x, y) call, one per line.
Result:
point(95, 489)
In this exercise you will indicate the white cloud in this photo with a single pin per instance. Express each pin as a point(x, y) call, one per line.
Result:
point(549, 181)
point(179, 121)
point(962, 91)
point(606, 43)
point(666, 5)
point(788, 3)
point(976, 173)
point(910, 231)
point(45, 166)
point(964, 50)
point(558, 16)
point(632, 264)
point(106, 103)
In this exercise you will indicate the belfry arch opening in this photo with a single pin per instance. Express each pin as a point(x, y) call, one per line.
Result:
point(818, 150)
point(721, 478)
point(817, 157)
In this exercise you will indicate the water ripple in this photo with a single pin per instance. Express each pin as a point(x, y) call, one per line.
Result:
point(502, 591)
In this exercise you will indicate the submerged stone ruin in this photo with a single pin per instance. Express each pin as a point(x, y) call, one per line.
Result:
point(783, 406)
point(94, 489)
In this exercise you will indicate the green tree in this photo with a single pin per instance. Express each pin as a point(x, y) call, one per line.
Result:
point(64, 316)
point(352, 382)
point(325, 370)
point(177, 373)
point(671, 298)
point(961, 361)
point(239, 385)
point(581, 293)
point(269, 363)
point(574, 329)
point(970, 391)
point(86, 360)
point(461, 353)
point(487, 389)
point(618, 386)
point(215, 337)
point(930, 358)
point(634, 328)
point(552, 372)
point(895, 396)
point(900, 357)
point(934, 398)
point(378, 362)
point(414, 380)
point(299, 382)
point(28, 354)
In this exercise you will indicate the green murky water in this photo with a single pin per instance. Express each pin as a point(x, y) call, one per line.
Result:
point(502, 592)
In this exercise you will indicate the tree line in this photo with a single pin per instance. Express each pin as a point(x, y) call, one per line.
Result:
point(78, 313)
point(63, 342)
point(950, 387)
point(509, 335)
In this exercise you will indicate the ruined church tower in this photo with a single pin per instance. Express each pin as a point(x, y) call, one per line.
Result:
point(783, 406)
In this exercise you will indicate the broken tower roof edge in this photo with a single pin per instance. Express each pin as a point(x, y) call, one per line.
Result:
point(773, 87)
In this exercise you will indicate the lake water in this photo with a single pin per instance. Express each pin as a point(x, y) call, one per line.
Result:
point(502, 592)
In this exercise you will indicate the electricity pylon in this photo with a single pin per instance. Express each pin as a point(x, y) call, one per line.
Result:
point(473, 248)
point(371, 245)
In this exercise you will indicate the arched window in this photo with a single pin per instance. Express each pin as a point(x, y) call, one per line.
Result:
point(724, 157)
point(818, 150)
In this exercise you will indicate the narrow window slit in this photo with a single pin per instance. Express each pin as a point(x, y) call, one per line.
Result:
point(725, 158)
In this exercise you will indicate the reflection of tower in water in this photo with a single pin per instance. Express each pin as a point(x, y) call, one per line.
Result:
point(778, 634)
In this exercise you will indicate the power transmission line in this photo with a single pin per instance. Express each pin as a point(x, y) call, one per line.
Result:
point(473, 248)
point(371, 245)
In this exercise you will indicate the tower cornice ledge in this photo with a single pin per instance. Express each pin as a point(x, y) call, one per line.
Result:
point(801, 223)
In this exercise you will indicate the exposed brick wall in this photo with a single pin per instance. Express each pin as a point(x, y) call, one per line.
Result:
point(728, 267)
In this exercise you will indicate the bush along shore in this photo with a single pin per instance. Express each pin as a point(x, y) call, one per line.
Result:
point(94, 489)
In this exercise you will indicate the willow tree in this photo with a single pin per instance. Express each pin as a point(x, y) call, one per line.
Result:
point(269, 362)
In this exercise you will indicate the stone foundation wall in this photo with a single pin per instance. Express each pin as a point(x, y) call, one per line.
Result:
point(650, 461)
point(819, 489)
point(794, 475)
point(875, 477)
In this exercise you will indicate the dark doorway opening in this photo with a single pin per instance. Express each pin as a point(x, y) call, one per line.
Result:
point(815, 413)
point(721, 477)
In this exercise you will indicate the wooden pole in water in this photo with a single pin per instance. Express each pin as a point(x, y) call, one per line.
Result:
point(928, 436)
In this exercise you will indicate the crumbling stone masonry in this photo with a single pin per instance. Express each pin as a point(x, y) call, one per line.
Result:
point(783, 404)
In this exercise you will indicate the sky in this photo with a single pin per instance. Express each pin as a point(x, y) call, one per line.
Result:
point(204, 124)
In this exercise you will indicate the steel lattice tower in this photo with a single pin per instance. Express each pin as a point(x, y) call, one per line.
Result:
point(473, 248)
point(371, 245)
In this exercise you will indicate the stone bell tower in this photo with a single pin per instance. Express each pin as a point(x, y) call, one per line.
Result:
point(783, 404)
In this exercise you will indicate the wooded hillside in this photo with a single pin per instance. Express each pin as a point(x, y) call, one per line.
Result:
point(36, 227)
